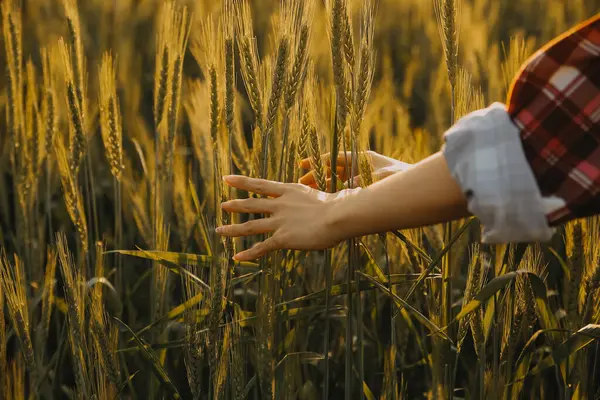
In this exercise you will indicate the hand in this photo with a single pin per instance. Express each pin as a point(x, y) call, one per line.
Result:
point(297, 216)
point(382, 168)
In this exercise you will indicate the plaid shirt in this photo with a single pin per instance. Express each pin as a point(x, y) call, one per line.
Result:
point(555, 103)
point(534, 162)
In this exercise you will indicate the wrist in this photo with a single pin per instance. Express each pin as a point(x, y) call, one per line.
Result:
point(338, 216)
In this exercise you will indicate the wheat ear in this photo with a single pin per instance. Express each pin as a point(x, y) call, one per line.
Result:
point(447, 14)
point(14, 285)
point(110, 116)
point(249, 60)
point(72, 194)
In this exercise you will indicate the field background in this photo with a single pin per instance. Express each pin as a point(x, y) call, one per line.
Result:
point(118, 119)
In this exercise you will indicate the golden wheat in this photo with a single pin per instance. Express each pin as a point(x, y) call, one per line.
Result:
point(317, 78)
point(14, 287)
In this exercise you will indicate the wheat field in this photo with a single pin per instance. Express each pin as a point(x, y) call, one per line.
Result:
point(119, 118)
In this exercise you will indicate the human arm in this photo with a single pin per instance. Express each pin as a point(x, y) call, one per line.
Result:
point(305, 219)
point(425, 194)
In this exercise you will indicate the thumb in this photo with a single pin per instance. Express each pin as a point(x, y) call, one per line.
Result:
point(383, 173)
point(356, 182)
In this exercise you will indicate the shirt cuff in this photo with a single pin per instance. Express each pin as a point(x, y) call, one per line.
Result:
point(485, 156)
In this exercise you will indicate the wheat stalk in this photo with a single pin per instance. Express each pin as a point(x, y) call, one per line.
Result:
point(447, 13)
point(590, 287)
point(520, 50)
point(33, 133)
point(73, 200)
point(576, 255)
point(76, 55)
point(110, 116)
point(337, 16)
point(173, 33)
point(160, 274)
point(107, 355)
point(15, 291)
point(223, 366)
point(77, 142)
point(348, 38)
point(101, 330)
point(365, 168)
point(302, 34)
point(229, 72)
point(236, 360)
point(240, 152)
point(50, 121)
point(15, 384)
point(229, 58)
point(48, 299)
point(3, 360)
point(467, 97)
point(76, 314)
point(317, 160)
point(264, 346)
point(292, 159)
point(303, 140)
point(163, 56)
point(362, 85)
point(279, 74)
point(298, 71)
point(256, 152)
point(179, 39)
point(12, 31)
point(194, 343)
point(218, 284)
point(208, 50)
point(472, 286)
point(249, 61)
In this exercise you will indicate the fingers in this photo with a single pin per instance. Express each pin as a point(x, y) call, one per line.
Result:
point(259, 250)
point(258, 206)
point(258, 186)
point(341, 160)
point(255, 227)
point(356, 182)
point(309, 178)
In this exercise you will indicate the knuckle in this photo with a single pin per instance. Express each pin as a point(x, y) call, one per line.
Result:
point(275, 205)
point(247, 228)
point(275, 241)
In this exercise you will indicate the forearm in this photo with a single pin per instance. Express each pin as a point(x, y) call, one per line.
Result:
point(425, 194)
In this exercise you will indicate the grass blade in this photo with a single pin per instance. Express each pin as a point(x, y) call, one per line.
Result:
point(153, 360)
point(179, 258)
point(403, 304)
point(577, 341)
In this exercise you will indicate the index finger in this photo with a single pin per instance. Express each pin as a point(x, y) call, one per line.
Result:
point(258, 186)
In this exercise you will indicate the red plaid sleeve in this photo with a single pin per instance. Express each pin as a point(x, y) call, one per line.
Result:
point(555, 103)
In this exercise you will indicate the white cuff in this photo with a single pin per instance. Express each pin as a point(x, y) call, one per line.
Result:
point(485, 155)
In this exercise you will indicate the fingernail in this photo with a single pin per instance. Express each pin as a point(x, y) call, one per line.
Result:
point(219, 229)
